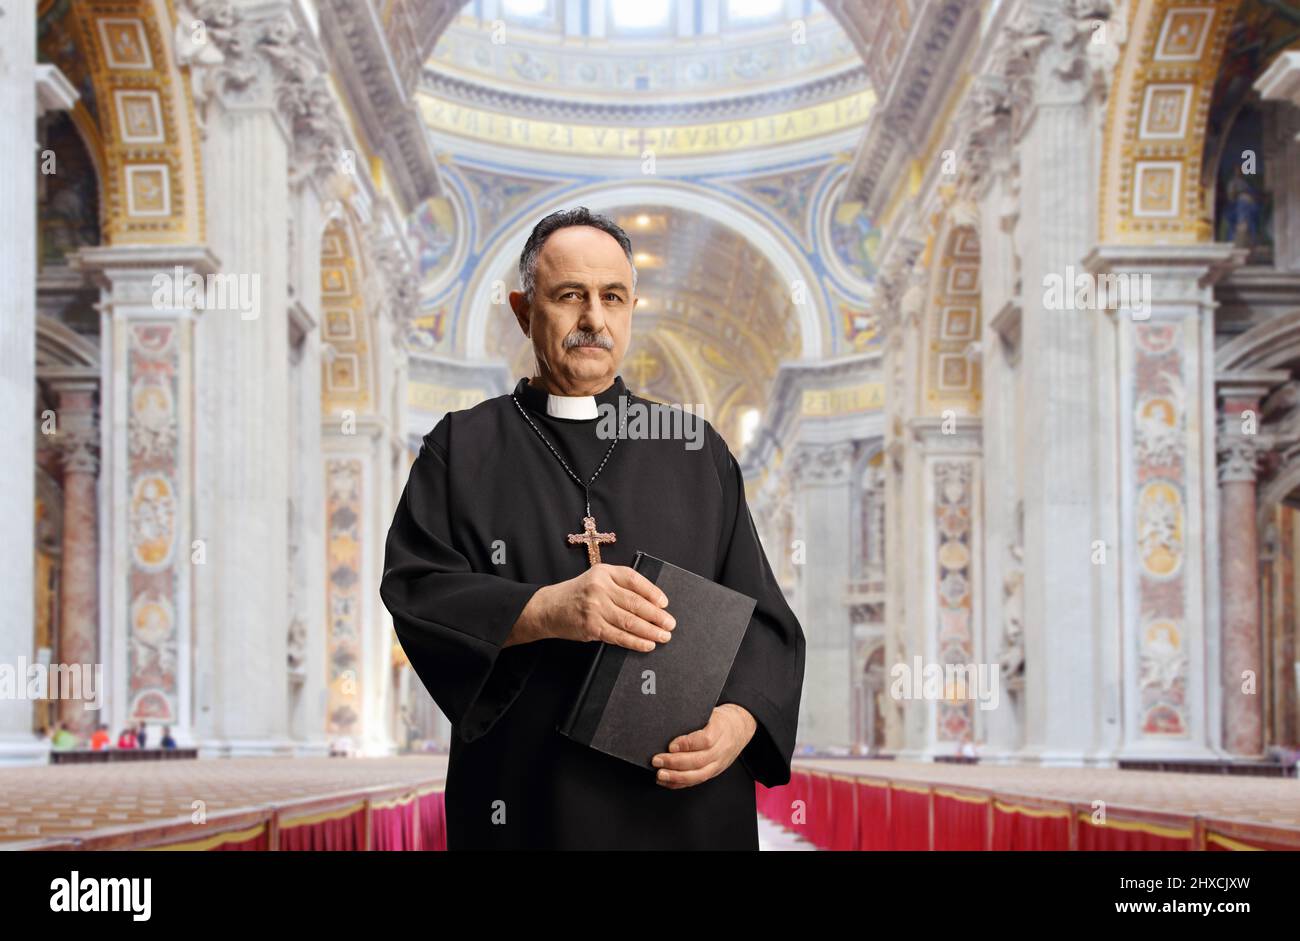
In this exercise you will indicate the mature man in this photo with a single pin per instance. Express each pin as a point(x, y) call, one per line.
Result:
point(508, 560)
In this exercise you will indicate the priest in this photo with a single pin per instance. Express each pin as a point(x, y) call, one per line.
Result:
point(508, 563)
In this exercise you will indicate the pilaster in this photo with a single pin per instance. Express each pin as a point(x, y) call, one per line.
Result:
point(1166, 558)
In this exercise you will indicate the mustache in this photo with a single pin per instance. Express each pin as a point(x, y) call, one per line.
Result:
point(583, 338)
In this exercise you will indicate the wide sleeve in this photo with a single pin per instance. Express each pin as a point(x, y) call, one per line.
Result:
point(767, 675)
point(452, 622)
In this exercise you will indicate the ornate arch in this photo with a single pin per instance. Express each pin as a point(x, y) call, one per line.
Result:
point(675, 358)
point(950, 375)
point(1152, 186)
point(59, 345)
point(135, 113)
point(1269, 345)
point(347, 368)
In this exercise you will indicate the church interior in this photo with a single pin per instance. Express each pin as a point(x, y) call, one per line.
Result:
point(997, 303)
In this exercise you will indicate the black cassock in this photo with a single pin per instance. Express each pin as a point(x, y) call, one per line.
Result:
point(481, 525)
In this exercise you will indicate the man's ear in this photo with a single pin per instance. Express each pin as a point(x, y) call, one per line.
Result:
point(523, 315)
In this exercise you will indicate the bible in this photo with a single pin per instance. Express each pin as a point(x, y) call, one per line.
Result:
point(625, 711)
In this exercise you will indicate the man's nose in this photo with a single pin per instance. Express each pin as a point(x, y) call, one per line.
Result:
point(593, 317)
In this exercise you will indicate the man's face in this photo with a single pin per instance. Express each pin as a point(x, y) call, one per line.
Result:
point(580, 320)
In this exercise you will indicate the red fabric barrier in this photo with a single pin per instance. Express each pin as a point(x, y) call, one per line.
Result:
point(800, 786)
point(909, 818)
point(1234, 840)
point(961, 822)
point(433, 821)
point(798, 811)
point(774, 802)
point(844, 815)
point(873, 816)
point(844, 812)
point(782, 806)
point(260, 843)
point(347, 832)
point(1132, 835)
point(820, 814)
point(393, 828)
point(1016, 827)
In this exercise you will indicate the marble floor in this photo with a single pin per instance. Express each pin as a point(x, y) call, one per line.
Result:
point(772, 837)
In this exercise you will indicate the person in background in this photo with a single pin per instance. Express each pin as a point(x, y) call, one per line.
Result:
point(100, 739)
point(64, 738)
point(142, 735)
point(167, 740)
point(127, 738)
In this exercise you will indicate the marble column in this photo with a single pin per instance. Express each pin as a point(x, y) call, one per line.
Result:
point(822, 485)
point(1244, 672)
point(949, 607)
point(1002, 587)
point(1160, 384)
point(78, 642)
point(1058, 208)
point(243, 467)
point(146, 549)
point(308, 704)
point(17, 365)
point(272, 116)
point(382, 732)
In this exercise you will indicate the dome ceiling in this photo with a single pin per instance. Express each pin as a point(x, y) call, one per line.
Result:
point(668, 53)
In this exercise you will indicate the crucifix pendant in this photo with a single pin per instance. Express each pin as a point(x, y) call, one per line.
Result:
point(592, 538)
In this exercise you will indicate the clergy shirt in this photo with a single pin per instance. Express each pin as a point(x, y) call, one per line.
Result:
point(571, 406)
point(481, 525)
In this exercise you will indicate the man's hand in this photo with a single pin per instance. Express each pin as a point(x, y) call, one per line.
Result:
point(694, 758)
point(612, 603)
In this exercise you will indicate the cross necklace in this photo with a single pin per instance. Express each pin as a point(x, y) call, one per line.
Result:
point(589, 535)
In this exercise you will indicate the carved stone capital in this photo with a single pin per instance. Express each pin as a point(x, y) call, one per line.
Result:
point(264, 57)
point(400, 279)
point(1238, 457)
point(77, 442)
point(1050, 53)
point(71, 431)
point(824, 464)
point(81, 453)
point(896, 276)
point(984, 117)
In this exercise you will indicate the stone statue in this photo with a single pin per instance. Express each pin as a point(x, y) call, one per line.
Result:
point(1243, 211)
point(1012, 658)
point(297, 647)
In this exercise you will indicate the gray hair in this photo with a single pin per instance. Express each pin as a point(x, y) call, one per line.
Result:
point(561, 220)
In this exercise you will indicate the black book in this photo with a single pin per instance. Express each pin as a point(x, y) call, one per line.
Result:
point(615, 712)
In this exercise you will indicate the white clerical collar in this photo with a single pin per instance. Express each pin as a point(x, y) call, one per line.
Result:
point(571, 406)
